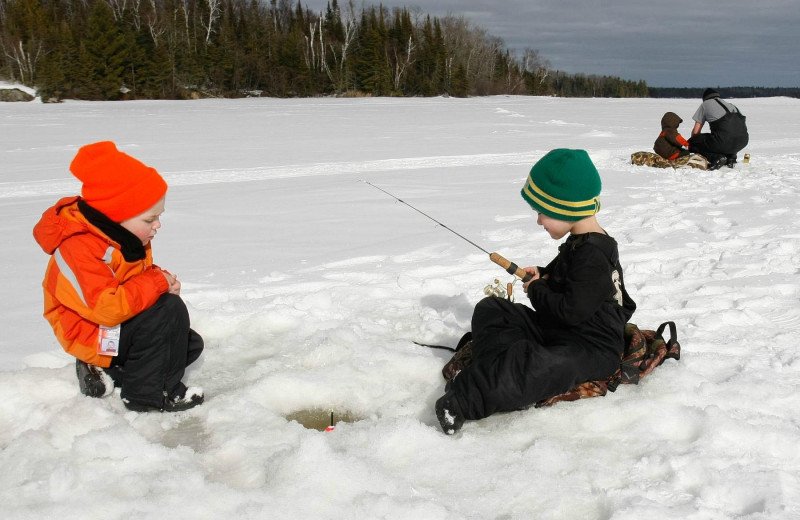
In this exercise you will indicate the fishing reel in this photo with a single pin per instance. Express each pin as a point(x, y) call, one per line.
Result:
point(498, 290)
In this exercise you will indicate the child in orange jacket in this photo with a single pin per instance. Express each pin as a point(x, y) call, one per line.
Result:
point(109, 305)
point(670, 144)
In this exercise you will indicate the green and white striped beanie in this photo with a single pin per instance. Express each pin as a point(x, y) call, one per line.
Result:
point(564, 184)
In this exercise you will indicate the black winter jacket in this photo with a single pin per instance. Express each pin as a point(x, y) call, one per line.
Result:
point(575, 334)
point(582, 299)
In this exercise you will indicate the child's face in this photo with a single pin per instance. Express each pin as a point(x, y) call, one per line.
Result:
point(145, 225)
point(556, 228)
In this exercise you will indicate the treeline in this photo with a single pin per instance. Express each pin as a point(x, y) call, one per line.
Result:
point(112, 49)
point(726, 92)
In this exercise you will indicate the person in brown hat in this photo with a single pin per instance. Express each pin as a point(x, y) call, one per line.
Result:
point(120, 315)
point(670, 144)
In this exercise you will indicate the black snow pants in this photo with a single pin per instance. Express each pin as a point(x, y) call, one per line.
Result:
point(516, 363)
point(155, 348)
point(728, 136)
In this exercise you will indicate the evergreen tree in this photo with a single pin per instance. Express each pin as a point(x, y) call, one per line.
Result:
point(333, 19)
point(459, 84)
point(292, 63)
point(177, 48)
point(150, 68)
point(372, 68)
point(103, 54)
point(427, 81)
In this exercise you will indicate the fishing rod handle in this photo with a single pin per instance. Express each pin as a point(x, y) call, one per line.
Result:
point(510, 267)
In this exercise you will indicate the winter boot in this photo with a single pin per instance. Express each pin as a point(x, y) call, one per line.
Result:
point(92, 380)
point(182, 398)
point(717, 162)
point(187, 398)
point(449, 414)
point(461, 359)
point(458, 362)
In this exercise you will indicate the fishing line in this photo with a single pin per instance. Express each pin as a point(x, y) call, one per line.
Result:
point(426, 215)
point(510, 267)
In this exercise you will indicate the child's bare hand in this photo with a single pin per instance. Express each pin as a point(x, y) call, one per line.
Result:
point(535, 272)
point(174, 284)
point(175, 288)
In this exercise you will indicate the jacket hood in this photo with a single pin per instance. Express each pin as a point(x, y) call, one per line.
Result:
point(58, 223)
point(670, 120)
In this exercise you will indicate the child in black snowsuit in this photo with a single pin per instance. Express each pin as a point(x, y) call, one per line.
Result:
point(575, 331)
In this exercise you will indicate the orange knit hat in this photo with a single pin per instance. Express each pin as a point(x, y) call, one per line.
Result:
point(115, 183)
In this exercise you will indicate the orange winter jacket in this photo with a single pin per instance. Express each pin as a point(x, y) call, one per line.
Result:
point(88, 282)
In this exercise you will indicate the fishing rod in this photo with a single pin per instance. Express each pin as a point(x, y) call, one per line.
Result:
point(510, 267)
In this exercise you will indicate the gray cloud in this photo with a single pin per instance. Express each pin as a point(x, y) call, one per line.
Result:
point(681, 43)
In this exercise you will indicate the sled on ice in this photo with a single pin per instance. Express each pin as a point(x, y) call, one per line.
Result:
point(693, 160)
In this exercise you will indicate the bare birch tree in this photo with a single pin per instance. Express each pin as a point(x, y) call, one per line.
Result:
point(338, 74)
point(154, 26)
point(184, 6)
point(24, 59)
point(214, 11)
point(402, 63)
point(117, 8)
point(136, 6)
point(538, 69)
point(308, 51)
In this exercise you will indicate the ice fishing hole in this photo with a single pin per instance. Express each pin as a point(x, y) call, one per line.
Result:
point(320, 418)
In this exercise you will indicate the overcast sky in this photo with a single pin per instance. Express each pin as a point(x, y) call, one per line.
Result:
point(672, 43)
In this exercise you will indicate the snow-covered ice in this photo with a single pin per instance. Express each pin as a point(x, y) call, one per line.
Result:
point(311, 287)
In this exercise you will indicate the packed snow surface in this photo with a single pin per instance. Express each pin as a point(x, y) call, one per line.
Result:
point(311, 287)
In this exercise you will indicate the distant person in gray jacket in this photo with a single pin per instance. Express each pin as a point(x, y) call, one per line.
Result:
point(728, 131)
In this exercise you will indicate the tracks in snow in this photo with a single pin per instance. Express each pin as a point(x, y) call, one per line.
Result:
point(264, 173)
